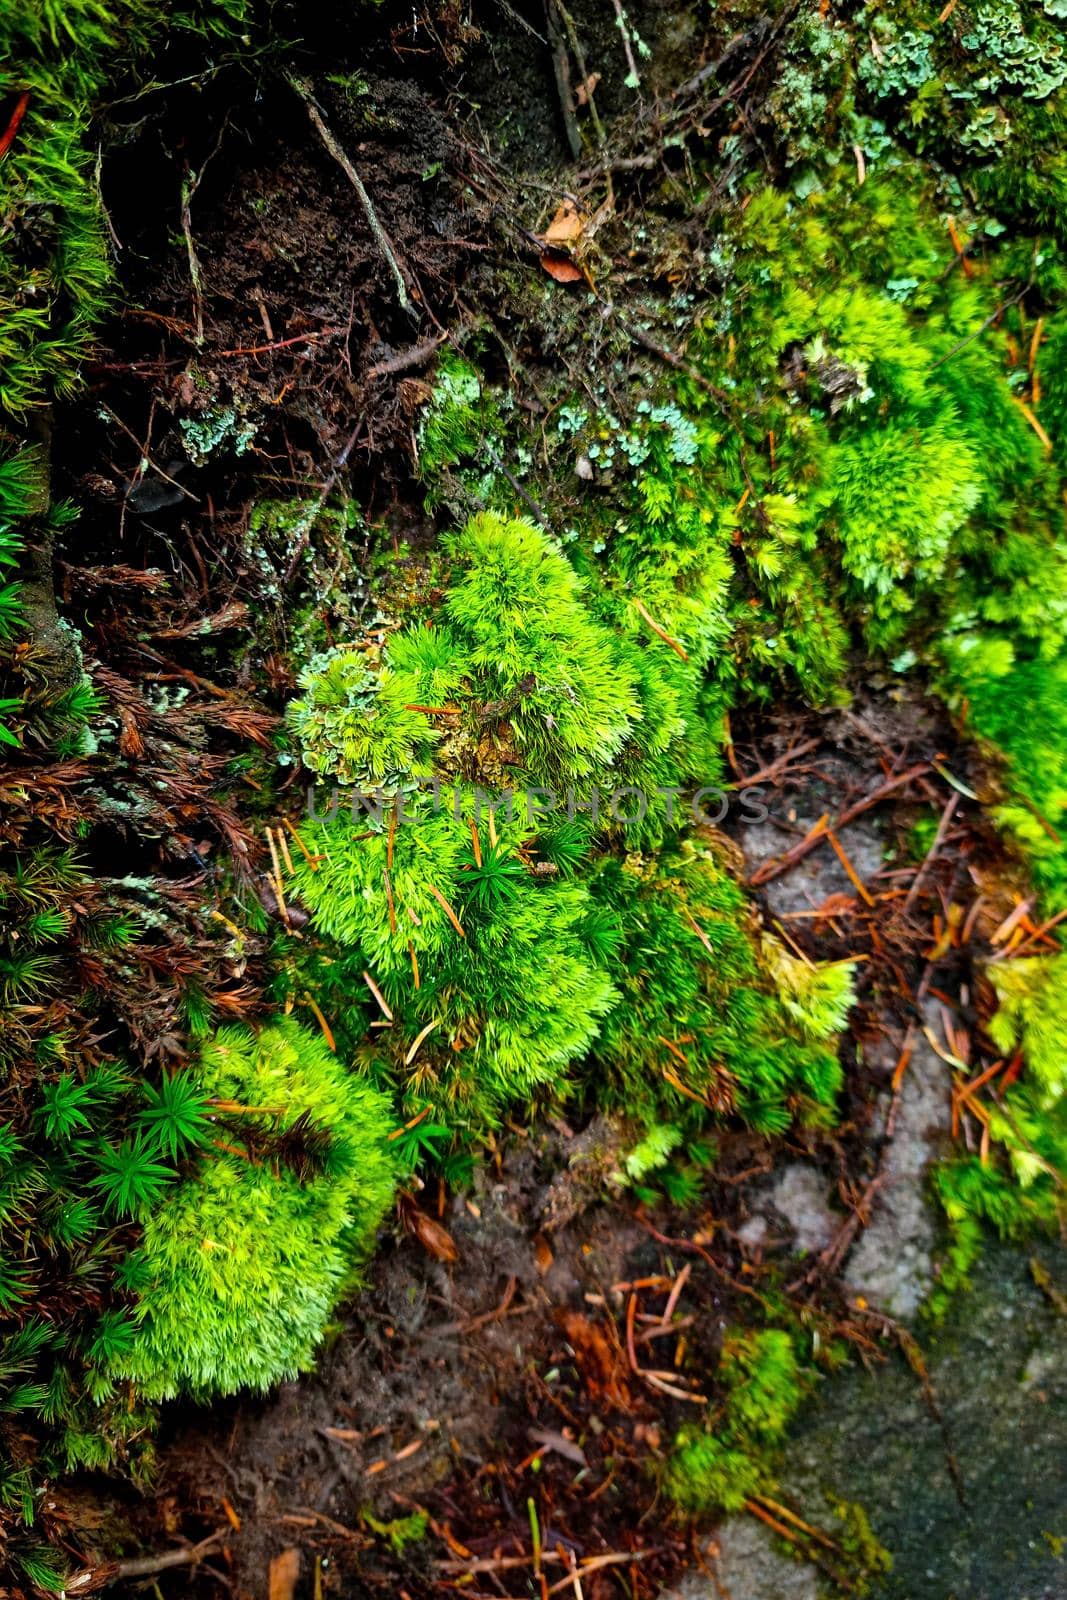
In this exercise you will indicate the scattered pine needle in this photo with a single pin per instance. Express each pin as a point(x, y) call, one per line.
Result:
point(673, 1390)
point(701, 935)
point(853, 876)
point(660, 632)
point(377, 993)
point(447, 909)
point(631, 1314)
point(798, 1522)
point(7, 138)
point(311, 860)
point(903, 1059)
point(283, 846)
point(676, 1289)
point(476, 843)
point(389, 899)
point(321, 1020)
point(676, 1083)
point(1032, 420)
point(414, 963)
point(1011, 922)
point(279, 891)
point(412, 1122)
point(419, 1037)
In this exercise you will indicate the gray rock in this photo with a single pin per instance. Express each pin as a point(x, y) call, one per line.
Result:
point(799, 1196)
point(892, 1263)
point(744, 1565)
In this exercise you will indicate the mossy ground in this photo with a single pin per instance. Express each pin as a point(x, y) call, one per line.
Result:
point(775, 408)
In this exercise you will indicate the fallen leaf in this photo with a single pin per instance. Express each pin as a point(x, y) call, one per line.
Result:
point(566, 225)
point(284, 1571)
point(430, 1234)
point(559, 266)
point(543, 1255)
point(600, 1360)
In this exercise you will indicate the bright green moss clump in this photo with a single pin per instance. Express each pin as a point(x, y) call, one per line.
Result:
point(503, 954)
point(718, 1467)
point(709, 1013)
point(511, 1000)
point(519, 606)
point(242, 1261)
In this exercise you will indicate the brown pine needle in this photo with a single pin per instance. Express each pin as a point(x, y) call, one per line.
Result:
point(321, 1020)
point(660, 632)
point(798, 1522)
point(283, 845)
point(854, 877)
point(675, 1081)
point(412, 1122)
point(676, 1289)
point(673, 1390)
point(377, 993)
point(1032, 420)
point(279, 891)
point(1035, 344)
point(673, 1048)
point(1011, 922)
point(419, 1037)
point(701, 935)
point(966, 1090)
point(476, 842)
point(312, 861)
point(447, 909)
point(903, 1059)
point(389, 900)
point(595, 1563)
point(414, 963)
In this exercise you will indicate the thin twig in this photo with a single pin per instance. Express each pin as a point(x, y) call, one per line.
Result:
point(381, 238)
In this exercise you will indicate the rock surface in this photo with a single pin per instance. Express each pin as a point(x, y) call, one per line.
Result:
point(999, 1373)
point(892, 1264)
point(744, 1565)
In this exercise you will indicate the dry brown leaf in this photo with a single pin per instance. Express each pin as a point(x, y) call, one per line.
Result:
point(559, 266)
point(430, 1234)
point(566, 225)
point(284, 1571)
point(601, 1360)
point(543, 1255)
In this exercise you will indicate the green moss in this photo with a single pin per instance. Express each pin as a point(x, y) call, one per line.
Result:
point(509, 1003)
point(719, 1466)
point(518, 606)
point(242, 1261)
point(1020, 706)
point(353, 724)
point(709, 1013)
